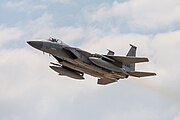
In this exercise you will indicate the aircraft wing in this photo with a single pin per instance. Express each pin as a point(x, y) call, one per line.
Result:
point(128, 59)
point(105, 81)
point(73, 50)
point(140, 74)
point(76, 53)
point(87, 54)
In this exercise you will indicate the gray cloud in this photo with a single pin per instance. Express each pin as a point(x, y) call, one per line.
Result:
point(143, 16)
point(9, 34)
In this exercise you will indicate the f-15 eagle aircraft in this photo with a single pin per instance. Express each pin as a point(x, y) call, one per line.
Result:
point(74, 62)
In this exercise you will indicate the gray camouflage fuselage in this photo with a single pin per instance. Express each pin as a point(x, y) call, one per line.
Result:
point(74, 62)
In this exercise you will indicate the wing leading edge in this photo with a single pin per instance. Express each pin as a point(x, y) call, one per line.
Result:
point(128, 59)
point(141, 74)
point(105, 81)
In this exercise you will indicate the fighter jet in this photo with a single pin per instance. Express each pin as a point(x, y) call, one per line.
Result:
point(74, 62)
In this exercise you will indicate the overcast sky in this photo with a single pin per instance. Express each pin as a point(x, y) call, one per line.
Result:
point(30, 90)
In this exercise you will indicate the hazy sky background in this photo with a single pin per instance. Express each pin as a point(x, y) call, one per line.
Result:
point(30, 90)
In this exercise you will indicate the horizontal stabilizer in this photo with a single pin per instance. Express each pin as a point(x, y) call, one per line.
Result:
point(104, 81)
point(128, 59)
point(141, 74)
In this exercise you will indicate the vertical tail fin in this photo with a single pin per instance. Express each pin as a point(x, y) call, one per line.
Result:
point(110, 52)
point(132, 52)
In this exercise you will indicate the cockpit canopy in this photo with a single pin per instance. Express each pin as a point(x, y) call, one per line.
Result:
point(52, 39)
point(55, 40)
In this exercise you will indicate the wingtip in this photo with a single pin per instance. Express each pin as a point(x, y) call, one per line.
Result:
point(155, 74)
point(132, 45)
point(147, 60)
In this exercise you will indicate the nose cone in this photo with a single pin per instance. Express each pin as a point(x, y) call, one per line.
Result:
point(36, 44)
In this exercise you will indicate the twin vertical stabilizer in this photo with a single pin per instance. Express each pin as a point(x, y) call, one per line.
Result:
point(132, 52)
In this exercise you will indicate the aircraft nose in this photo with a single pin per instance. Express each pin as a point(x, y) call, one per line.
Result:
point(36, 44)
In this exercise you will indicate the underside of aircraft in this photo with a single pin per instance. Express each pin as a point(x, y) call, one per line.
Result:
point(74, 62)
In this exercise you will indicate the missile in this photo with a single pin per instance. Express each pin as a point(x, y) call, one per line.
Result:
point(67, 72)
point(107, 65)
